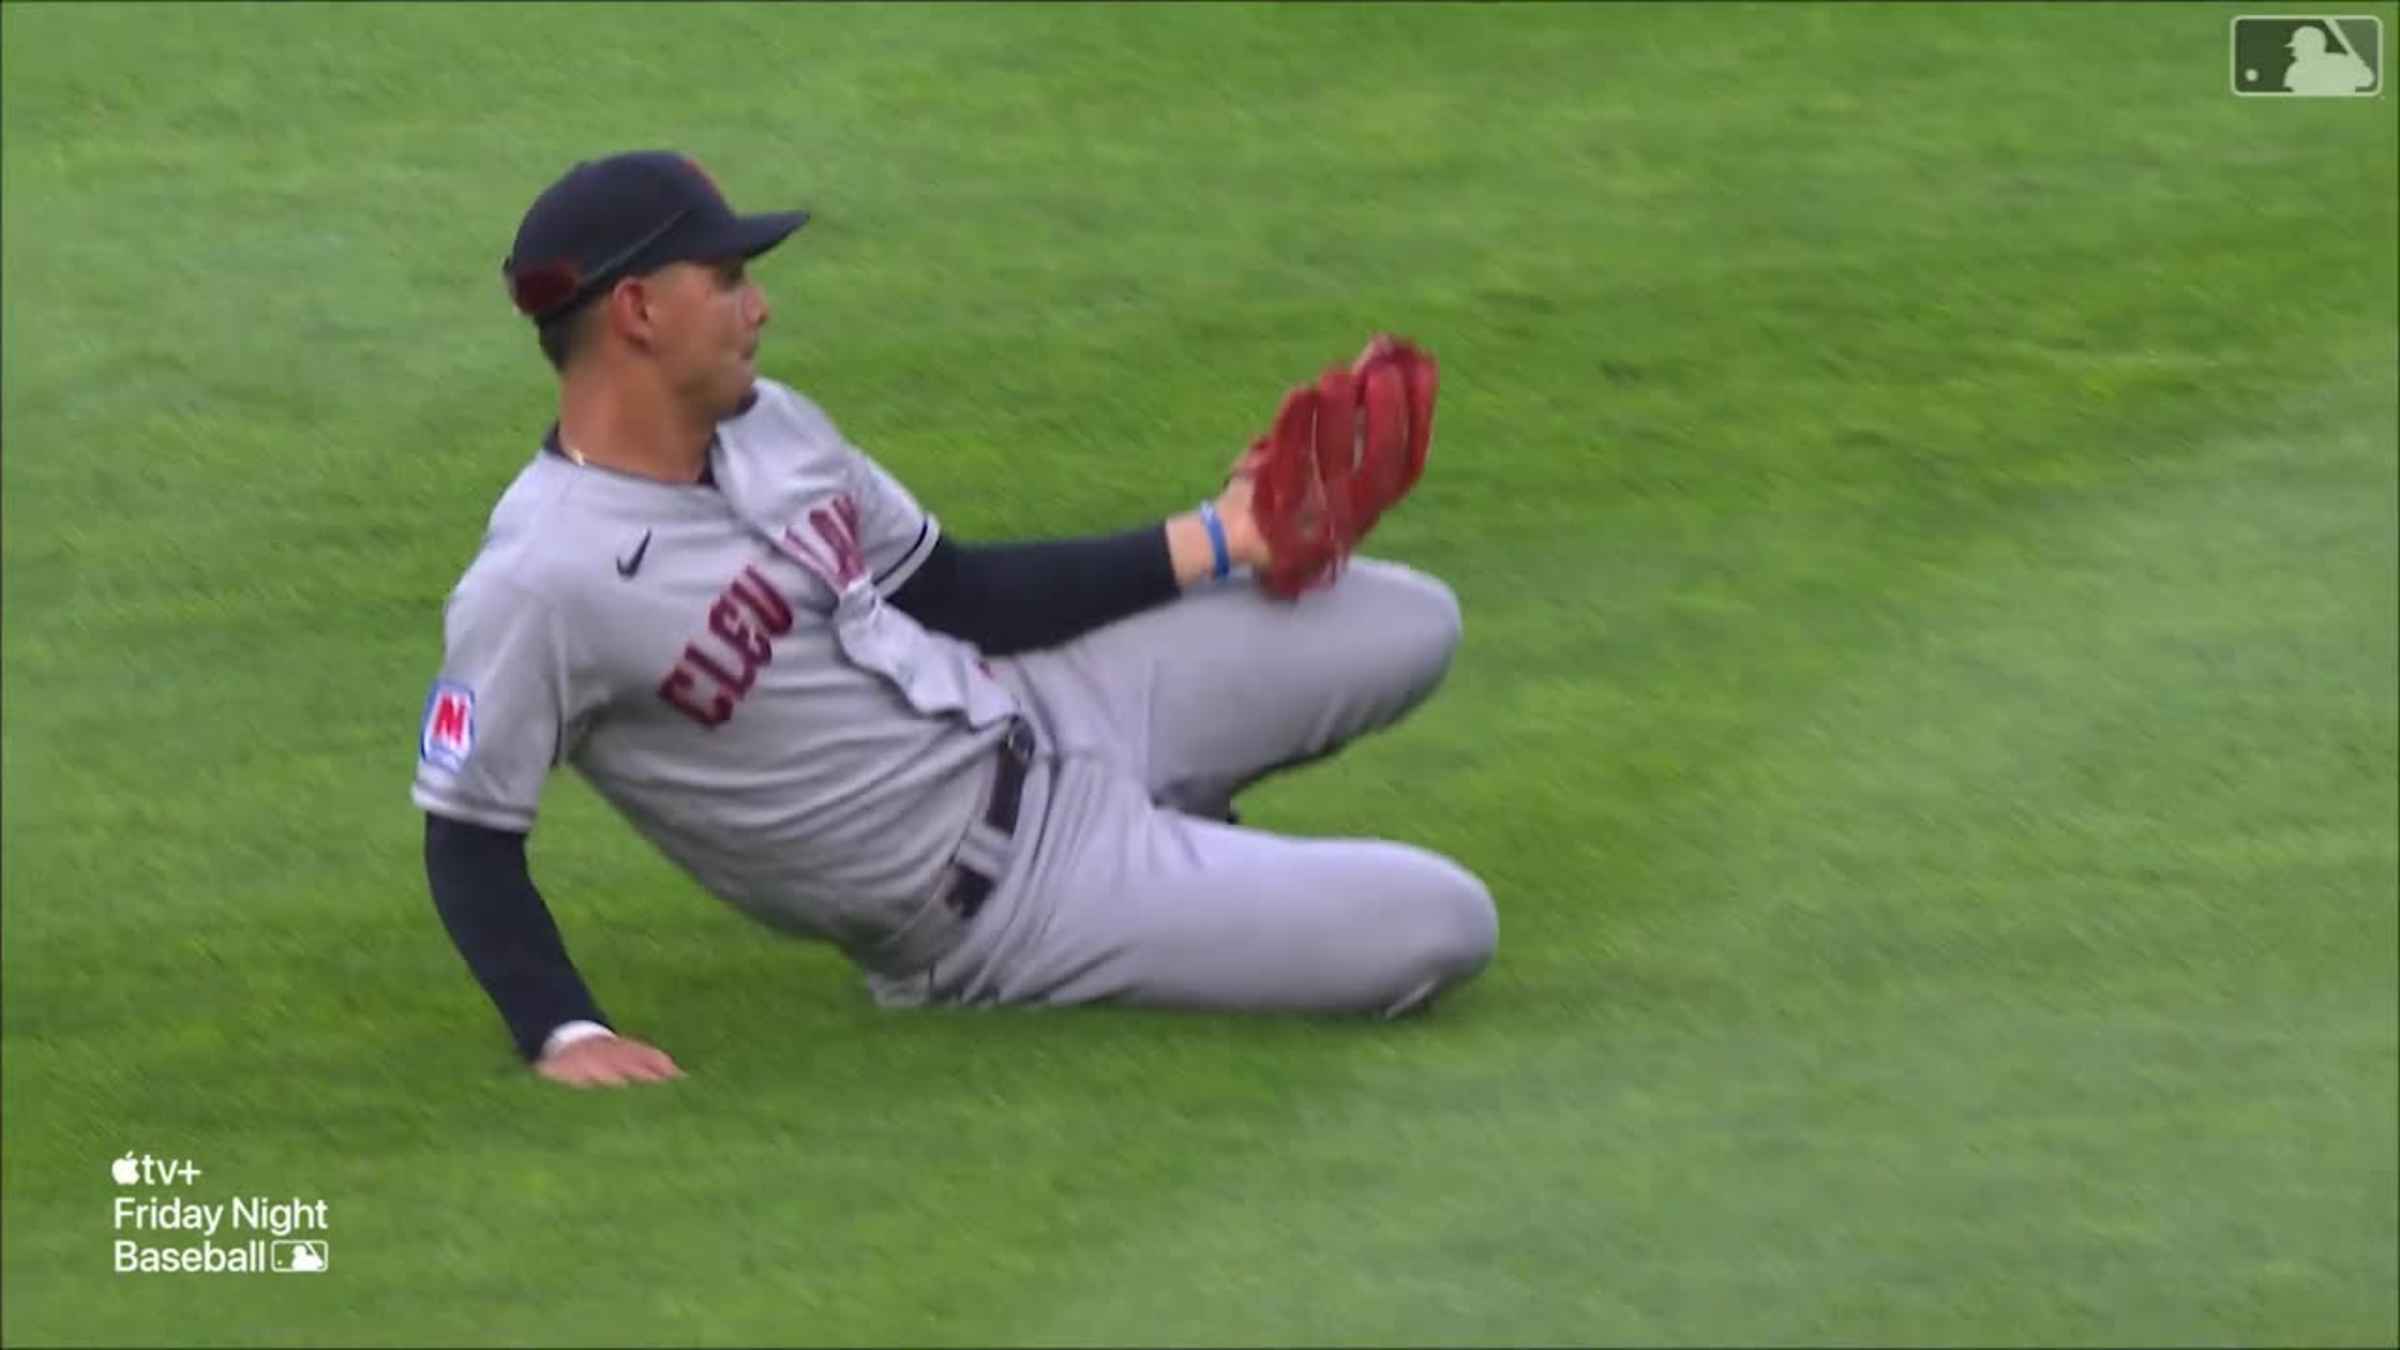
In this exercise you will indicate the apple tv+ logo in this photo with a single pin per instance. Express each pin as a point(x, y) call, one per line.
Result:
point(148, 1171)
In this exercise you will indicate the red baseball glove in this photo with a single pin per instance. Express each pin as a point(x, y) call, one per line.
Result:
point(1341, 452)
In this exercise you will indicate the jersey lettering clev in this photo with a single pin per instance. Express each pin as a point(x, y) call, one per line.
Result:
point(741, 694)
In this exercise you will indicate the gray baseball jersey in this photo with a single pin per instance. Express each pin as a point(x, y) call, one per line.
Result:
point(719, 663)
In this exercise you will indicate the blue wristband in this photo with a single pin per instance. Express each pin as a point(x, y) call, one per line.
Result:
point(1223, 565)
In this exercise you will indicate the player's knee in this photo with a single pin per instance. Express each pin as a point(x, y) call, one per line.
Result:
point(1470, 928)
point(1443, 621)
point(1426, 622)
point(1451, 931)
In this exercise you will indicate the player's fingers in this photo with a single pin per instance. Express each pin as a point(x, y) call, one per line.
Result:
point(571, 1073)
point(652, 1063)
point(615, 1073)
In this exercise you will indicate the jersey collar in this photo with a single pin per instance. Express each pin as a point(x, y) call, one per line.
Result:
point(708, 471)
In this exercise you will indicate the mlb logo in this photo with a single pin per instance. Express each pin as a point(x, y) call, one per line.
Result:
point(305, 1258)
point(449, 734)
point(2307, 56)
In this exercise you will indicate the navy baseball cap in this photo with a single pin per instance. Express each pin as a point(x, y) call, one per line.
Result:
point(621, 216)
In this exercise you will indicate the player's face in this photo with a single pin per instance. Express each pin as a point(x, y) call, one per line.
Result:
point(709, 325)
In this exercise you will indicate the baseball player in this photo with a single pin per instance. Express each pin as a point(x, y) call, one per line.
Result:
point(990, 774)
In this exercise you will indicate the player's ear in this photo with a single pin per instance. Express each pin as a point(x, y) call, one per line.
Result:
point(630, 306)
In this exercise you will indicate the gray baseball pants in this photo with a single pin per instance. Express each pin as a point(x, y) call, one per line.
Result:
point(1122, 884)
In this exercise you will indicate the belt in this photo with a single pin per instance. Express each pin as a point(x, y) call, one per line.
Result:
point(970, 886)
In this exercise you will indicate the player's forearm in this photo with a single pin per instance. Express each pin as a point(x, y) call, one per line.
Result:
point(485, 894)
point(1016, 597)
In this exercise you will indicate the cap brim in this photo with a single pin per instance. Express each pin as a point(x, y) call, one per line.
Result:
point(749, 236)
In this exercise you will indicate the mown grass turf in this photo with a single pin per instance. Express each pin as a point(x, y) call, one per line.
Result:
point(1922, 484)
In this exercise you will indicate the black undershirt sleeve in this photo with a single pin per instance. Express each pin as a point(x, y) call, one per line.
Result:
point(485, 895)
point(1016, 597)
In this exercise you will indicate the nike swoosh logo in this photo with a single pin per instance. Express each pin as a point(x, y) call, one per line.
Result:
point(626, 567)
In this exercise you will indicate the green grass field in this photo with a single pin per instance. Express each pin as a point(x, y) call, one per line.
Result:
point(1922, 483)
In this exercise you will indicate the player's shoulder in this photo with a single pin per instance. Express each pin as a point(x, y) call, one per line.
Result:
point(521, 555)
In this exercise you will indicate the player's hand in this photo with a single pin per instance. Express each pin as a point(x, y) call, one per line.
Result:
point(607, 1061)
point(1243, 543)
point(1343, 449)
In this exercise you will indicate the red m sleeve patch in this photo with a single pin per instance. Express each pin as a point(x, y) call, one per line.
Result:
point(449, 734)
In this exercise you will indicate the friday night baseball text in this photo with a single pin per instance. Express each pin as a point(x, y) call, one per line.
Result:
point(259, 1213)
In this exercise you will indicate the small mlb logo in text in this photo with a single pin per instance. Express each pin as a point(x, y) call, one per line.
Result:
point(298, 1258)
point(449, 734)
point(2308, 55)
